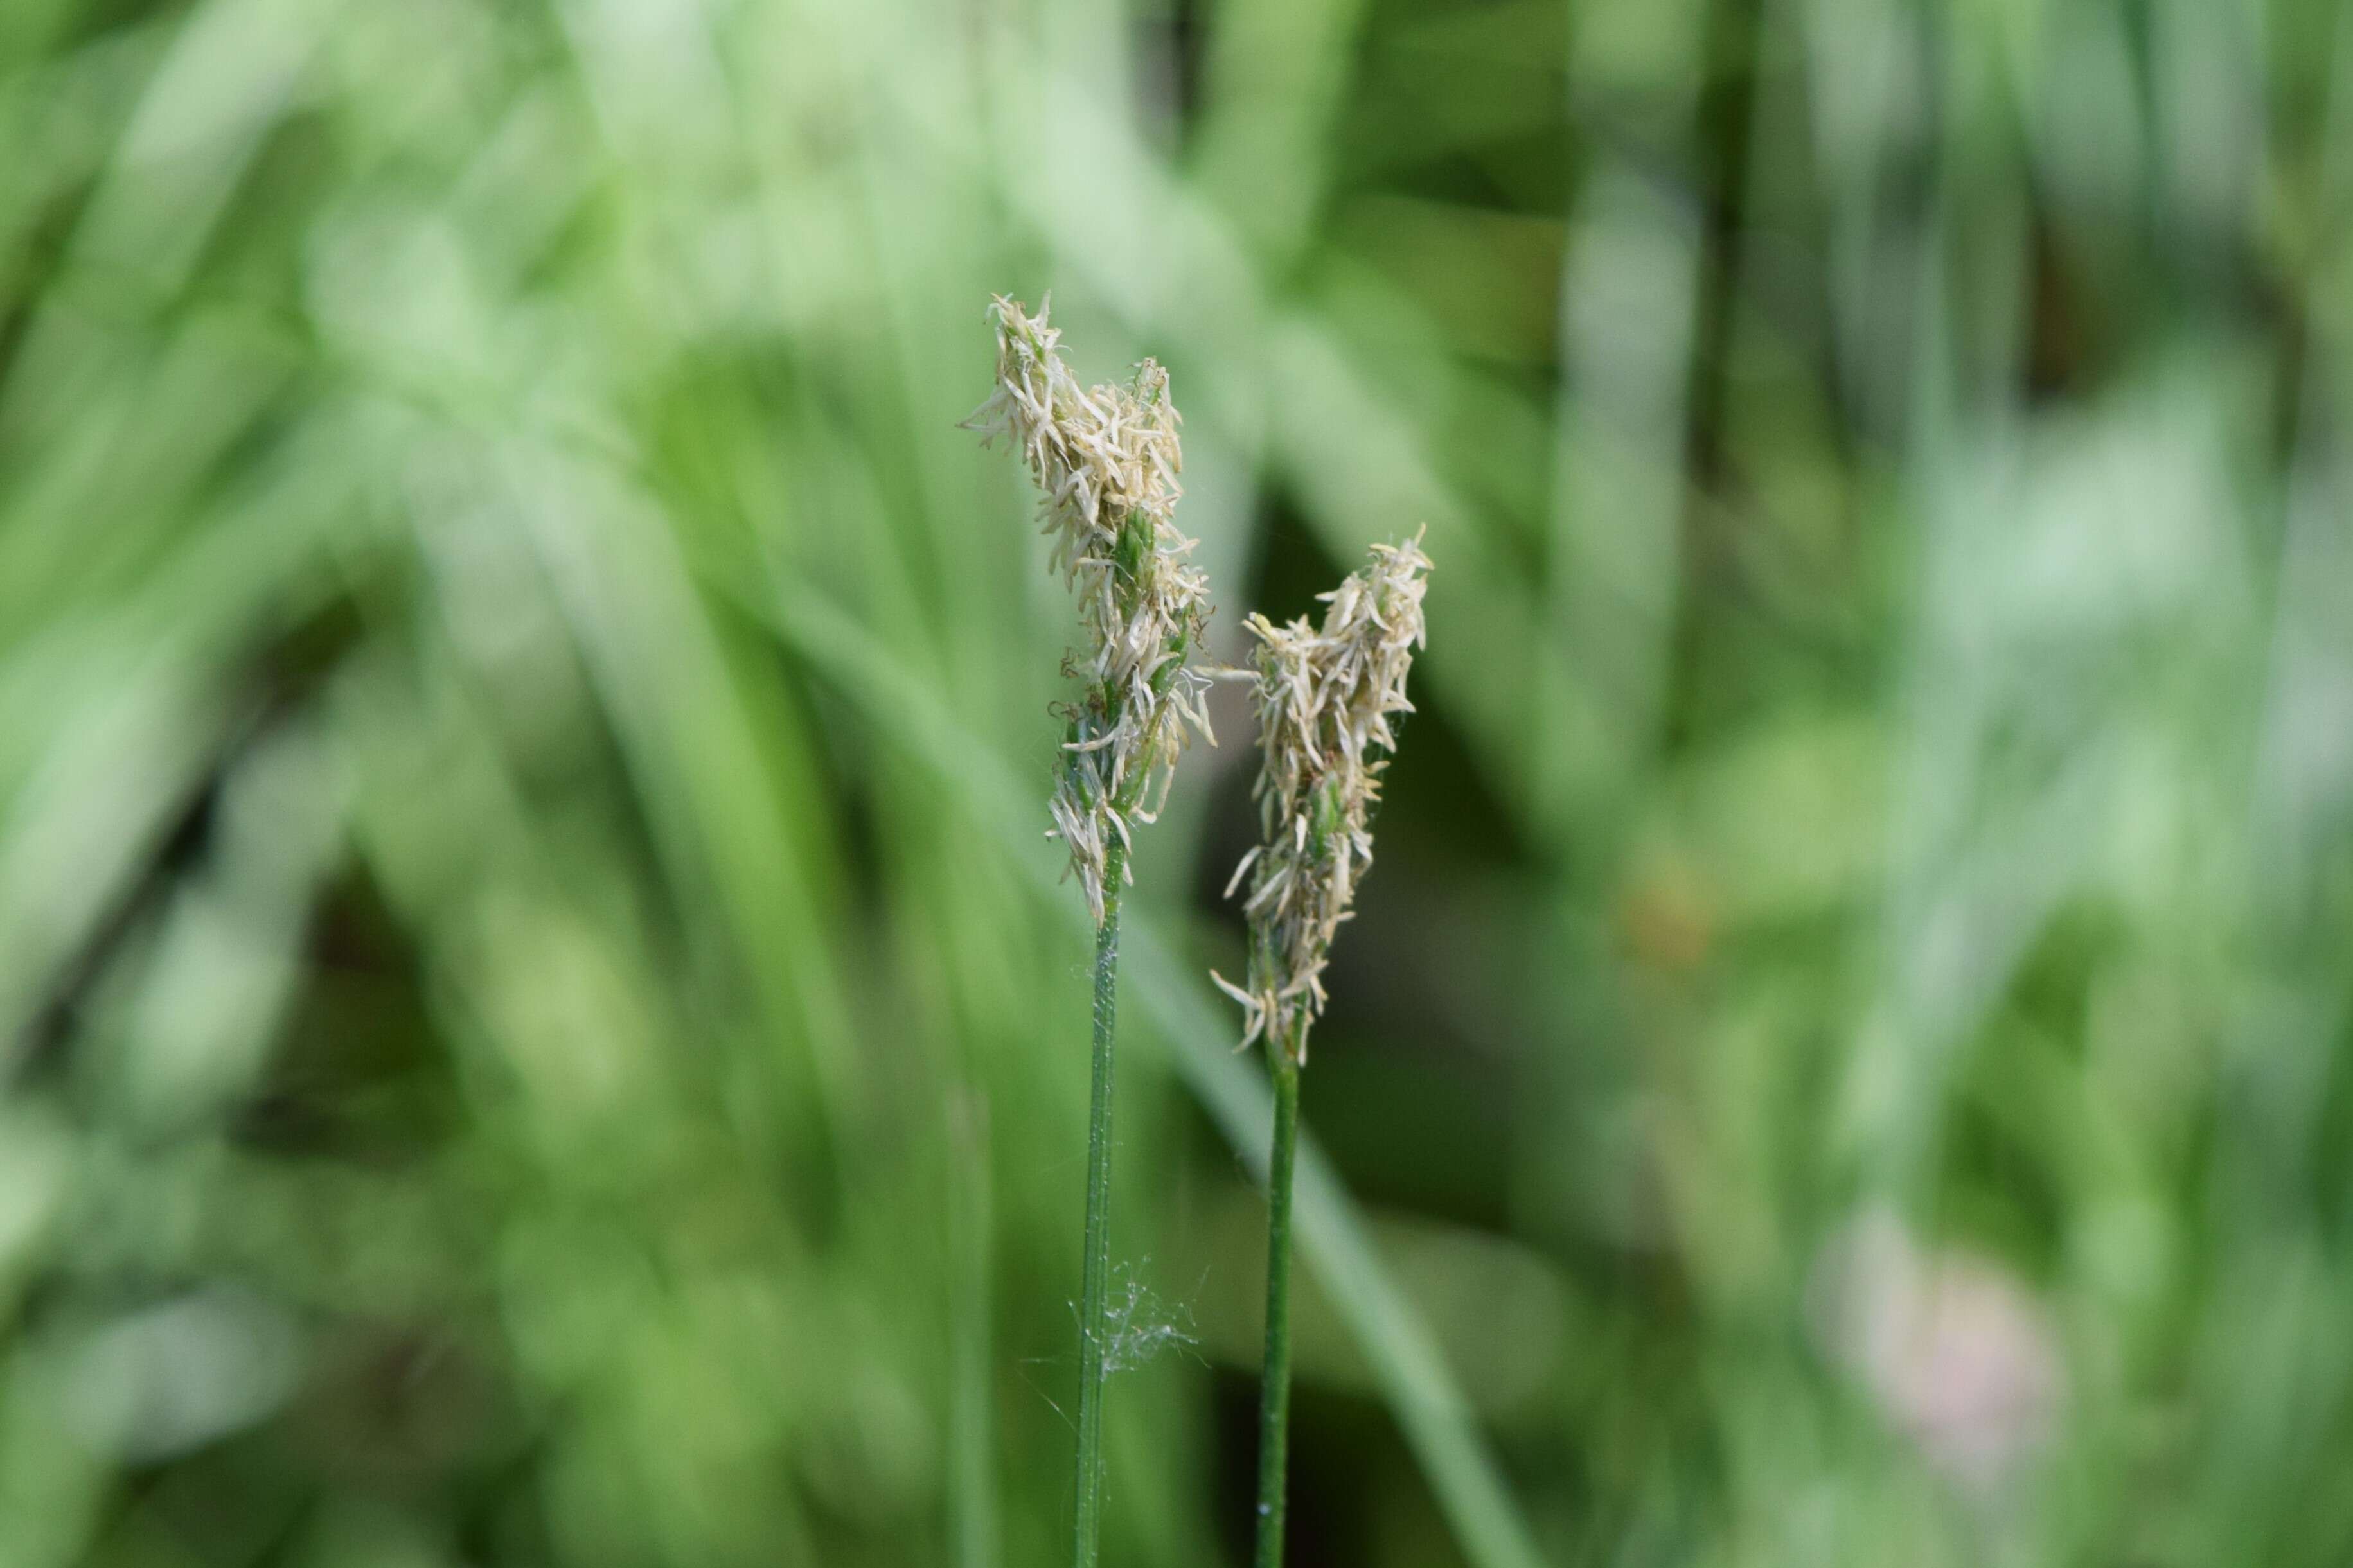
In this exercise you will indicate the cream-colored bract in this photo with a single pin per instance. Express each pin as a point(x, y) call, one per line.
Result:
point(1106, 458)
point(1326, 698)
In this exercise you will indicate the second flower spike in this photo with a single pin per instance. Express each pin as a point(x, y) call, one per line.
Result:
point(1325, 695)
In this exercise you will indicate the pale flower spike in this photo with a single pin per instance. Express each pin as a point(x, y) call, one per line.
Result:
point(1106, 458)
point(1326, 698)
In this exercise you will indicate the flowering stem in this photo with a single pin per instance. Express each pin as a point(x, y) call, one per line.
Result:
point(1274, 1374)
point(1093, 1323)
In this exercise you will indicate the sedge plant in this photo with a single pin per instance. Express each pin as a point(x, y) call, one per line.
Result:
point(1106, 459)
point(1326, 696)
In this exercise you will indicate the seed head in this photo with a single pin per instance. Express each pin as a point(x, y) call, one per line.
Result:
point(1106, 459)
point(1326, 698)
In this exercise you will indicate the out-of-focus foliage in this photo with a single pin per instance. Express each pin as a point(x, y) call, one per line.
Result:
point(540, 1029)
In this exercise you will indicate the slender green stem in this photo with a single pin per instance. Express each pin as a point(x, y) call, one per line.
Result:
point(1093, 1325)
point(1274, 1374)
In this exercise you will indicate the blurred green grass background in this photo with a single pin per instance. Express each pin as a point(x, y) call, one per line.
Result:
point(540, 1026)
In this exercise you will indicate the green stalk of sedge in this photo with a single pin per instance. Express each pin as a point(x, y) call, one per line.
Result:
point(1094, 1272)
point(1274, 1374)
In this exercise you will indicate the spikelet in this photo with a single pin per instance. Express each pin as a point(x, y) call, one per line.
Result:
point(1326, 698)
point(1106, 459)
